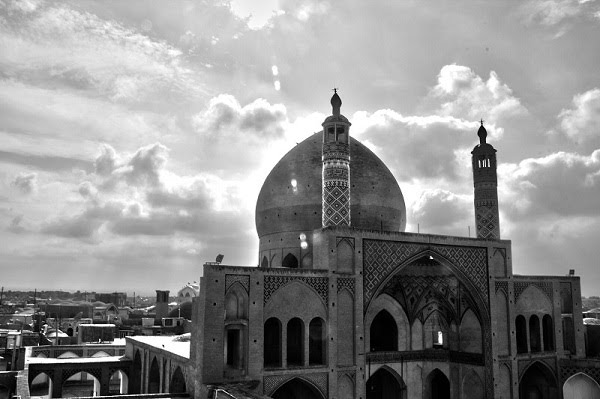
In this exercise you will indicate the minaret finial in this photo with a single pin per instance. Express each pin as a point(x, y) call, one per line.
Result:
point(336, 102)
point(482, 122)
point(482, 133)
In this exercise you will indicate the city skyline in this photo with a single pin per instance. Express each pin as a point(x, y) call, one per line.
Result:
point(135, 138)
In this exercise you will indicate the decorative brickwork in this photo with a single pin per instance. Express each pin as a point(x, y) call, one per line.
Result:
point(231, 279)
point(382, 257)
point(345, 283)
point(273, 283)
point(569, 371)
point(486, 220)
point(502, 285)
point(545, 287)
point(273, 382)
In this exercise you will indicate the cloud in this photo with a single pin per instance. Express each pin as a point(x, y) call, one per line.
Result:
point(442, 212)
point(224, 116)
point(461, 93)
point(26, 183)
point(417, 147)
point(44, 162)
point(105, 162)
point(550, 12)
point(15, 225)
point(581, 123)
point(560, 184)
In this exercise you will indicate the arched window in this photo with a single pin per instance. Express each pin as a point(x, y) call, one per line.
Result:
point(535, 340)
point(177, 384)
point(265, 262)
point(386, 383)
point(568, 334)
point(438, 385)
point(135, 382)
point(154, 378)
point(272, 343)
point(548, 332)
point(538, 381)
point(290, 261)
point(521, 325)
point(316, 341)
point(118, 383)
point(384, 333)
point(295, 342)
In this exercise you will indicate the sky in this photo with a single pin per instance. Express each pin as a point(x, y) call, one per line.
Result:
point(135, 135)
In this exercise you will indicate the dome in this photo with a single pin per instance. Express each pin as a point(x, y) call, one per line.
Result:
point(290, 198)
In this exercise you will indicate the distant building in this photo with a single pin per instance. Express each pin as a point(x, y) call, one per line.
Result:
point(119, 299)
point(188, 292)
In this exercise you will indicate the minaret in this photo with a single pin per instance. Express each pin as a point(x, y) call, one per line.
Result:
point(336, 167)
point(485, 181)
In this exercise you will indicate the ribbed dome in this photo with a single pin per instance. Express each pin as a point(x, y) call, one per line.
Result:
point(290, 198)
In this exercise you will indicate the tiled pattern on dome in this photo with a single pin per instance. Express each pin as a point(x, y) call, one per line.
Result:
point(231, 279)
point(273, 283)
point(273, 382)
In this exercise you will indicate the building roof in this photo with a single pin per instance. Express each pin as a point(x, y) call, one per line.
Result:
point(290, 198)
point(172, 344)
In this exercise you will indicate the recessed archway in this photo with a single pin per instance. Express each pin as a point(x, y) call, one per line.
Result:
point(383, 333)
point(136, 376)
point(297, 389)
point(437, 385)
point(154, 378)
point(118, 383)
point(538, 382)
point(385, 383)
point(581, 386)
point(177, 382)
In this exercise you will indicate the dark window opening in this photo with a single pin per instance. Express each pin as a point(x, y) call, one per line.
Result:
point(295, 342)
point(521, 325)
point(316, 342)
point(548, 332)
point(265, 262)
point(535, 343)
point(233, 356)
point(272, 343)
point(384, 333)
point(290, 261)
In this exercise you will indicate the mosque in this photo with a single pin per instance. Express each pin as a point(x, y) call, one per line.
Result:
point(346, 304)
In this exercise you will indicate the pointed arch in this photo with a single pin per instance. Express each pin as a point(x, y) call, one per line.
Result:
point(67, 355)
point(236, 302)
point(385, 382)
point(118, 383)
point(290, 261)
point(538, 379)
point(535, 338)
point(389, 304)
point(479, 300)
point(265, 262)
point(581, 385)
point(521, 326)
point(297, 388)
point(533, 294)
point(177, 384)
point(41, 385)
point(135, 383)
point(383, 333)
point(437, 385)
point(548, 332)
point(470, 333)
point(345, 386)
point(154, 377)
point(472, 386)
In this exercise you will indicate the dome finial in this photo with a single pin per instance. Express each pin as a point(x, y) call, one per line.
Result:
point(336, 102)
point(482, 133)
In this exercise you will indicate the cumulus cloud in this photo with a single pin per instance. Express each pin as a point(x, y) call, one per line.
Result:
point(105, 162)
point(417, 147)
point(225, 116)
point(461, 93)
point(442, 212)
point(560, 184)
point(26, 183)
point(581, 123)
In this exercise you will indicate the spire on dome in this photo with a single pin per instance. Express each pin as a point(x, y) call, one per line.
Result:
point(336, 103)
point(482, 133)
